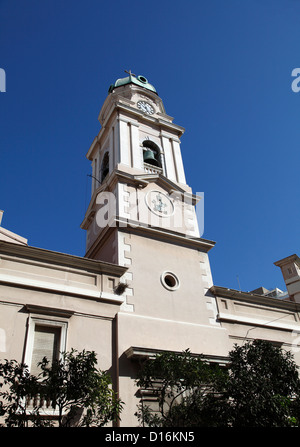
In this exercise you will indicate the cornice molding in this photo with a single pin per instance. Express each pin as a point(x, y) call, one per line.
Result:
point(289, 259)
point(140, 181)
point(54, 257)
point(254, 298)
point(135, 227)
point(139, 353)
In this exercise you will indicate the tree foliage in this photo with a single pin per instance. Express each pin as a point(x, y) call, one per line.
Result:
point(259, 388)
point(180, 383)
point(17, 386)
point(263, 386)
point(77, 391)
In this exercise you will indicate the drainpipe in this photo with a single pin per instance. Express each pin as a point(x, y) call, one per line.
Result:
point(116, 356)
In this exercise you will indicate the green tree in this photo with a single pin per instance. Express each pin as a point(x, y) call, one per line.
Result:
point(263, 386)
point(180, 382)
point(17, 387)
point(74, 385)
point(80, 393)
point(259, 388)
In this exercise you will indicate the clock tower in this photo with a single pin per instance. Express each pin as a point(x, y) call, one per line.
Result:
point(142, 216)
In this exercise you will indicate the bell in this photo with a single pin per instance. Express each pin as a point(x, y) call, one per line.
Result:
point(149, 158)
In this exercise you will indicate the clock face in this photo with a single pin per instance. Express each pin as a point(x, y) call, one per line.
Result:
point(159, 203)
point(145, 107)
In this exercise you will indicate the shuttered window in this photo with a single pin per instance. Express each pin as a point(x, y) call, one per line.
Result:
point(46, 344)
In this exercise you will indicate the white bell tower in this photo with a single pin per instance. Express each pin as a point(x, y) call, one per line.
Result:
point(136, 158)
point(142, 216)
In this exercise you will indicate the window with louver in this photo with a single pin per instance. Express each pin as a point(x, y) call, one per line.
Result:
point(45, 344)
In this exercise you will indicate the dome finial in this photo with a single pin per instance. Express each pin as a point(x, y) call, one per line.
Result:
point(130, 73)
point(141, 81)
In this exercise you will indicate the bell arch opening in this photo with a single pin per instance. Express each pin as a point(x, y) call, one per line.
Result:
point(151, 153)
point(105, 166)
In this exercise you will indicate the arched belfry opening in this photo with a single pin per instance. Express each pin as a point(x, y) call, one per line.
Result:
point(151, 153)
point(105, 166)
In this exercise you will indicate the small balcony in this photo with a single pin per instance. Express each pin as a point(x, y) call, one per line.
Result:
point(150, 169)
point(44, 407)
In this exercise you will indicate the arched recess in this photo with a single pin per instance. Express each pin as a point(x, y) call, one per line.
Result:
point(104, 166)
point(152, 153)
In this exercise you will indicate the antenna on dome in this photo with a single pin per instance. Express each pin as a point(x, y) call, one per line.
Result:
point(238, 280)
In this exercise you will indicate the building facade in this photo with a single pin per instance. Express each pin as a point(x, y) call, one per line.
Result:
point(145, 283)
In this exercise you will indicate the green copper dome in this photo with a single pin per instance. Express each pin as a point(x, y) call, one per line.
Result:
point(132, 79)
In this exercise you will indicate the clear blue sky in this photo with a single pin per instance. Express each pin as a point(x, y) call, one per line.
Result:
point(223, 69)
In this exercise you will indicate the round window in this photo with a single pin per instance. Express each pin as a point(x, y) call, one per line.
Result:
point(169, 281)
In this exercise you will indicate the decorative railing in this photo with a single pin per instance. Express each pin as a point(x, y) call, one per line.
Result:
point(150, 169)
point(38, 401)
point(43, 405)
